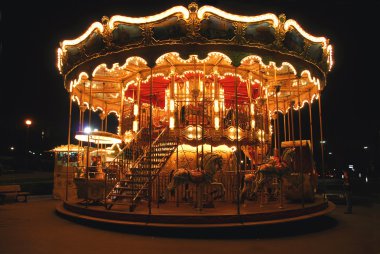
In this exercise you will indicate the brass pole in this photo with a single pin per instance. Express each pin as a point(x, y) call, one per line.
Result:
point(322, 141)
point(88, 140)
point(237, 145)
point(278, 152)
point(311, 127)
point(68, 148)
point(203, 112)
point(150, 143)
point(289, 127)
point(300, 137)
point(284, 119)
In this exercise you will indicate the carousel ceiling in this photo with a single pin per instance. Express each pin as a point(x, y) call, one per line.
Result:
point(185, 44)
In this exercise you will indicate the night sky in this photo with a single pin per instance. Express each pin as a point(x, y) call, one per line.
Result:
point(31, 86)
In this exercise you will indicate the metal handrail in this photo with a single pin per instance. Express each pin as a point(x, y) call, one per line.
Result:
point(122, 150)
point(146, 150)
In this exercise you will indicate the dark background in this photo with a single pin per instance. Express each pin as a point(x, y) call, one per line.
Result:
point(31, 86)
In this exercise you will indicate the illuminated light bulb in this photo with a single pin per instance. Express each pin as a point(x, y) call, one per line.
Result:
point(87, 130)
point(171, 123)
point(135, 109)
point(216, 106)
point(135, 127)
point(171, 106)
point(252, 109)
point(217, 123)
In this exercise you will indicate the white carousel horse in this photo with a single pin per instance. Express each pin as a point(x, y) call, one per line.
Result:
point(212, 164)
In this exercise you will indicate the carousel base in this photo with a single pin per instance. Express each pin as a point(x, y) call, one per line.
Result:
point(168, 215)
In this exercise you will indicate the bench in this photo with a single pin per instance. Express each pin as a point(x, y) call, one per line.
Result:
point(12, 191)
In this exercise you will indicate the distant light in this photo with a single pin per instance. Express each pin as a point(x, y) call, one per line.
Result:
point(330, 153)
point(366, 179)
point(323, 141)
point(12, 148)
point(41, 154)
point(241, 161)
point(360, 175)
point(334, 169)
point(353, 170)
point(87, 130)
point(350, 166)
point(28, 122)
point(365, 148)
point(96, 130)
point(342, 176)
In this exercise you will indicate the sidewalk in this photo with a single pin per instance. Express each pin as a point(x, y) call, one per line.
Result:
point(34, 227)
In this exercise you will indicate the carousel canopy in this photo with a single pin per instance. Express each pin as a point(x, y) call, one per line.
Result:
point(116, 56)
point(66, 148)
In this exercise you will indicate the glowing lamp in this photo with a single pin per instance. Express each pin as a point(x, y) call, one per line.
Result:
point(87, 130)
point(28, 122)
point(253, 124)
point(252, 109)
point(216, 106)
point(135, 126)
point(216, 123)
point(171, 123)
point(171, 105)
point(135, 109)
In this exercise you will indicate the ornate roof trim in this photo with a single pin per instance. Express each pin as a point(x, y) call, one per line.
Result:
point(233, 17)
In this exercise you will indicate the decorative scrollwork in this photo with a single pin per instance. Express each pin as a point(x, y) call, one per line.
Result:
point(280, 32)
point(147, 33)
point(239, 32)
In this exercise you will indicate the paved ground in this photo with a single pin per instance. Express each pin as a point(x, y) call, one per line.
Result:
point(34, 227)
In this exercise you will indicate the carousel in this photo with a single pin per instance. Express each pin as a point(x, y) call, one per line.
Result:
point(209, 119)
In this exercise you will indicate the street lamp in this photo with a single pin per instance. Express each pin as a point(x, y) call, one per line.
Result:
point(28, 123)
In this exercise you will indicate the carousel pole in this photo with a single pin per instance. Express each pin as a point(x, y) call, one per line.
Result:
point(68, 147)
point(82, 109)
point(284, 119)
point(196, 117)
point(277, 87)
point(262, 115)
point(300, 137)
point(203, 112)
point(322, 141)
point(237, 145)
point(289, 127)
point(88, 140)
point(311, 128)
point(278, 152)
point(150, 142)
point(106, 119)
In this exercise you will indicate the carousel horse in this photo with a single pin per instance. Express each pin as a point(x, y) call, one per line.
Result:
point(212, 164)
point(266, 172)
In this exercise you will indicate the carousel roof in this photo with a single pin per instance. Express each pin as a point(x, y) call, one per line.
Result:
point(118, 53)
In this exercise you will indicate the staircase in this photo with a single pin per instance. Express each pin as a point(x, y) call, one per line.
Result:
point(134, 187)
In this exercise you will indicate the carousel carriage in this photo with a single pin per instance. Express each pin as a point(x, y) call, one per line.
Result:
point(193, 83)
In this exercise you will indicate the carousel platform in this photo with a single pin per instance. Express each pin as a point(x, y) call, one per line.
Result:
point(168, 215)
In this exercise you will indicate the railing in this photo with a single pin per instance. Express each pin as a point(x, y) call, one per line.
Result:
point(136, 163)
point(148, 180)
